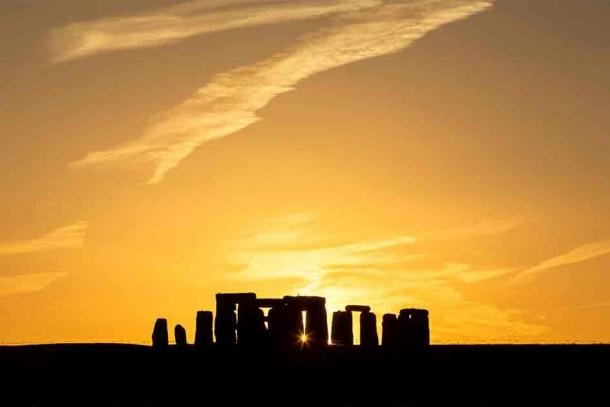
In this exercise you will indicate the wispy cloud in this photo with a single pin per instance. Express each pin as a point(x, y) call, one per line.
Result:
point(580, 254)
point(290, 247)
point(281, 233)
point(26, 283)
point(311, 263)
point(592, 306)
point(482, 229)
point(71, 236)
point(229, 102)
point(469, 274)
point(172, 24)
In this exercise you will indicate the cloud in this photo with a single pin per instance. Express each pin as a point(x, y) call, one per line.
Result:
point(281, 233)
point(290, 247)
point(592, 306)
point(386, 273)
point(487, 228)
point(311, 263)
point(580, 254)
point(67, 237)
point(172, 24)
point(476, 276)
point(229, 102)
point(468, 274)
point(25, 283)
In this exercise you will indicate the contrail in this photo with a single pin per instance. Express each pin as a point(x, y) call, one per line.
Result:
point(229, 102)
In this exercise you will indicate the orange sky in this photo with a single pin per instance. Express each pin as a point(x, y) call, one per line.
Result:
point(447, 154)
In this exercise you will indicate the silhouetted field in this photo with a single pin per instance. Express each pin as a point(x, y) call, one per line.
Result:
point(109, 374)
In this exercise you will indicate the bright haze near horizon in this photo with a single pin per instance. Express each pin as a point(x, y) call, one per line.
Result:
point(445, 154)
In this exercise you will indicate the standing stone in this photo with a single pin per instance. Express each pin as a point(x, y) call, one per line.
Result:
point(293, 325)
point(203, 330)
point(278, 330)
point(180, 336)
point(160, 337)
point(316, 324)
point(389, 326)
point(341, 330)
point(285, 326)
point(251, 329)
point(413, 328)
point(368, 330)
point(225, 323)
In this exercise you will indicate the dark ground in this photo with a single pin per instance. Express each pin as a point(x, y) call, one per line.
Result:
point(443, 375)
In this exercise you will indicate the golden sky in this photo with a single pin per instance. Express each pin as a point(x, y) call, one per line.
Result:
point(446, 154)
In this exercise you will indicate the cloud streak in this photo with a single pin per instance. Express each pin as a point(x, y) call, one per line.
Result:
point(482, 229)
point(311, 263)
point(578, 255)
point(27, 283)
point(229, 102)
point(67, 237)
point(172, 24)
point(592, 306)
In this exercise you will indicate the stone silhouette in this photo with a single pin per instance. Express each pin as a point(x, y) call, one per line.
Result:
point(180, 336)
point(413, 328)
point(225, 323)
point(160, 337)
point(225, 326)
point(341, 330)
point(251, 330)
point(389, 325)
point(241, 321)
point(316, 325)
point(358, 308)
point(285, 325)
point(204, 336)
point(368, 330)
point(342, 327)
point(271, 328)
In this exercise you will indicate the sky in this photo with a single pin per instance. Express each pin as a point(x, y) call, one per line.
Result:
point(443, 154)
